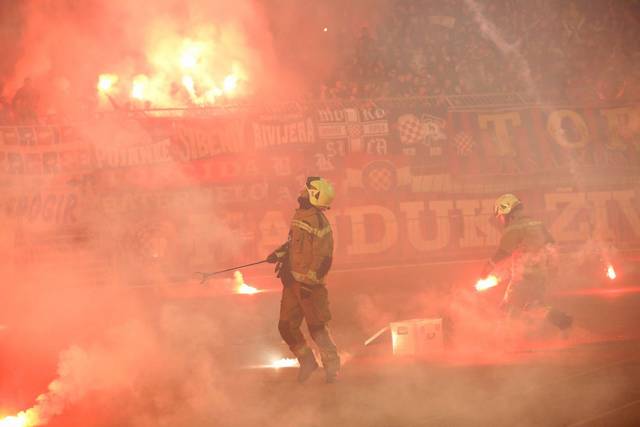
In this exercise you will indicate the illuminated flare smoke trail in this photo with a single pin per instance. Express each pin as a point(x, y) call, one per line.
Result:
point(241, 287)
point(487, 283)
point(611, 273)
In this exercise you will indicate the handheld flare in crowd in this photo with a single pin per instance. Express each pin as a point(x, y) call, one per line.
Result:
point(206, 275)
point(487, 283)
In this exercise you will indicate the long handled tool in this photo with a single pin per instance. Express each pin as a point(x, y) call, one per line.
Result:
point(206, 275)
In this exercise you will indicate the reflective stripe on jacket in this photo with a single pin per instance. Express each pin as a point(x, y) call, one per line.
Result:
point(310, 246)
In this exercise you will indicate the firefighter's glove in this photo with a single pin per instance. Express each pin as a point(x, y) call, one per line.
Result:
point(278, 268)
point(272, 258)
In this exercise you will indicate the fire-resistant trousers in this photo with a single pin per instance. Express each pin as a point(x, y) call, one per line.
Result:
point(311, 303)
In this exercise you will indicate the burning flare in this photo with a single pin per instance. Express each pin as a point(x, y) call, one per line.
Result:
point(487, 283)
point(106, 82)
point(184, 71)
point(241, 287)
point(284, 363)
point(611, 273)
point(139, 86)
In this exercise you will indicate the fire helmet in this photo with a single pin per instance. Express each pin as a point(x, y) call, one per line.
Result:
point(321, 192)
point(505, 204)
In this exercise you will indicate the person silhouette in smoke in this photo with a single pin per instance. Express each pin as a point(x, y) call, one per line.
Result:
point(302, 264)
point(529, 246)
point(25, 104)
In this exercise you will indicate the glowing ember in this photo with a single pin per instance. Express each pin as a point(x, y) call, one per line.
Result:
point(138, 87)
point(284, 363)
point(106, 82)
point(611, 273)
point(484, 284)
point(23, 419)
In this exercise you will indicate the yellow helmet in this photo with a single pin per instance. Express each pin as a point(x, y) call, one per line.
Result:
point(321, 192)
point(505, 204)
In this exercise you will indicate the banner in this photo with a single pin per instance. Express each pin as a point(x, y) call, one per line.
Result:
point(415, 182)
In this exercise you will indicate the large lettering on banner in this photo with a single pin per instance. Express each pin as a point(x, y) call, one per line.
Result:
point(568, 129)
point(500, 124)
point(204, 138)
point(414, 181)
point(290, 127)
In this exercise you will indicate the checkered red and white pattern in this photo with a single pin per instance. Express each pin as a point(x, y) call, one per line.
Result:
point(411, 129)
point(380, 177)
point(464, 144)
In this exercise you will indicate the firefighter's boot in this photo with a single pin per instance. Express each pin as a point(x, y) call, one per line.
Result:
point(308, 363)
point(331, 364)
point(328, 351)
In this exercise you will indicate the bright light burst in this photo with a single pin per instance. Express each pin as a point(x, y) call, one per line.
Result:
point(611, 273)
point(190, 55)
point(208, 68)
point(187, 82)
point(106, 82)
point(284, 363)
point(487, 283)
point(139, 86)
point(23, 419)
point(246, 289)
point(241, 287)
point(230, 83)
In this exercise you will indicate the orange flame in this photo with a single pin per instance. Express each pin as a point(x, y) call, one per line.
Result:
point(208, 68)
point(611, 273)
point(487, 283)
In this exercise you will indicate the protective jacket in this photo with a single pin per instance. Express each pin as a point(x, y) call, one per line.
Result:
point(308, 253)
point(524, 239)
point(310, 246)
point(528, 244)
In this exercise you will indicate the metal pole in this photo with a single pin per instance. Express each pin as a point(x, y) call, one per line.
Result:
point(206, 275)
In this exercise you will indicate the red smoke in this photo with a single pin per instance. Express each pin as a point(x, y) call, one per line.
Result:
point(186, 51)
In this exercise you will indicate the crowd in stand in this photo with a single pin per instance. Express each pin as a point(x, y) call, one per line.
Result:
point(546, 47)
point(576, 50)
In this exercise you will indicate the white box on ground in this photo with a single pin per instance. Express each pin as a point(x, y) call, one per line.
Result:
point(416, 336)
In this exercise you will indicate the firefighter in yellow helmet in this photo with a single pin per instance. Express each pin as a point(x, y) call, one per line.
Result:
point(302, 264)
point(529, 246)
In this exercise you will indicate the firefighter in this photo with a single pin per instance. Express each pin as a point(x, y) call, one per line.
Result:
point(529, 246)
point(302, 264)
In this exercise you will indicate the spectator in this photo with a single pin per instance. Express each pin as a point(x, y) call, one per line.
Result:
point(24, 103)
